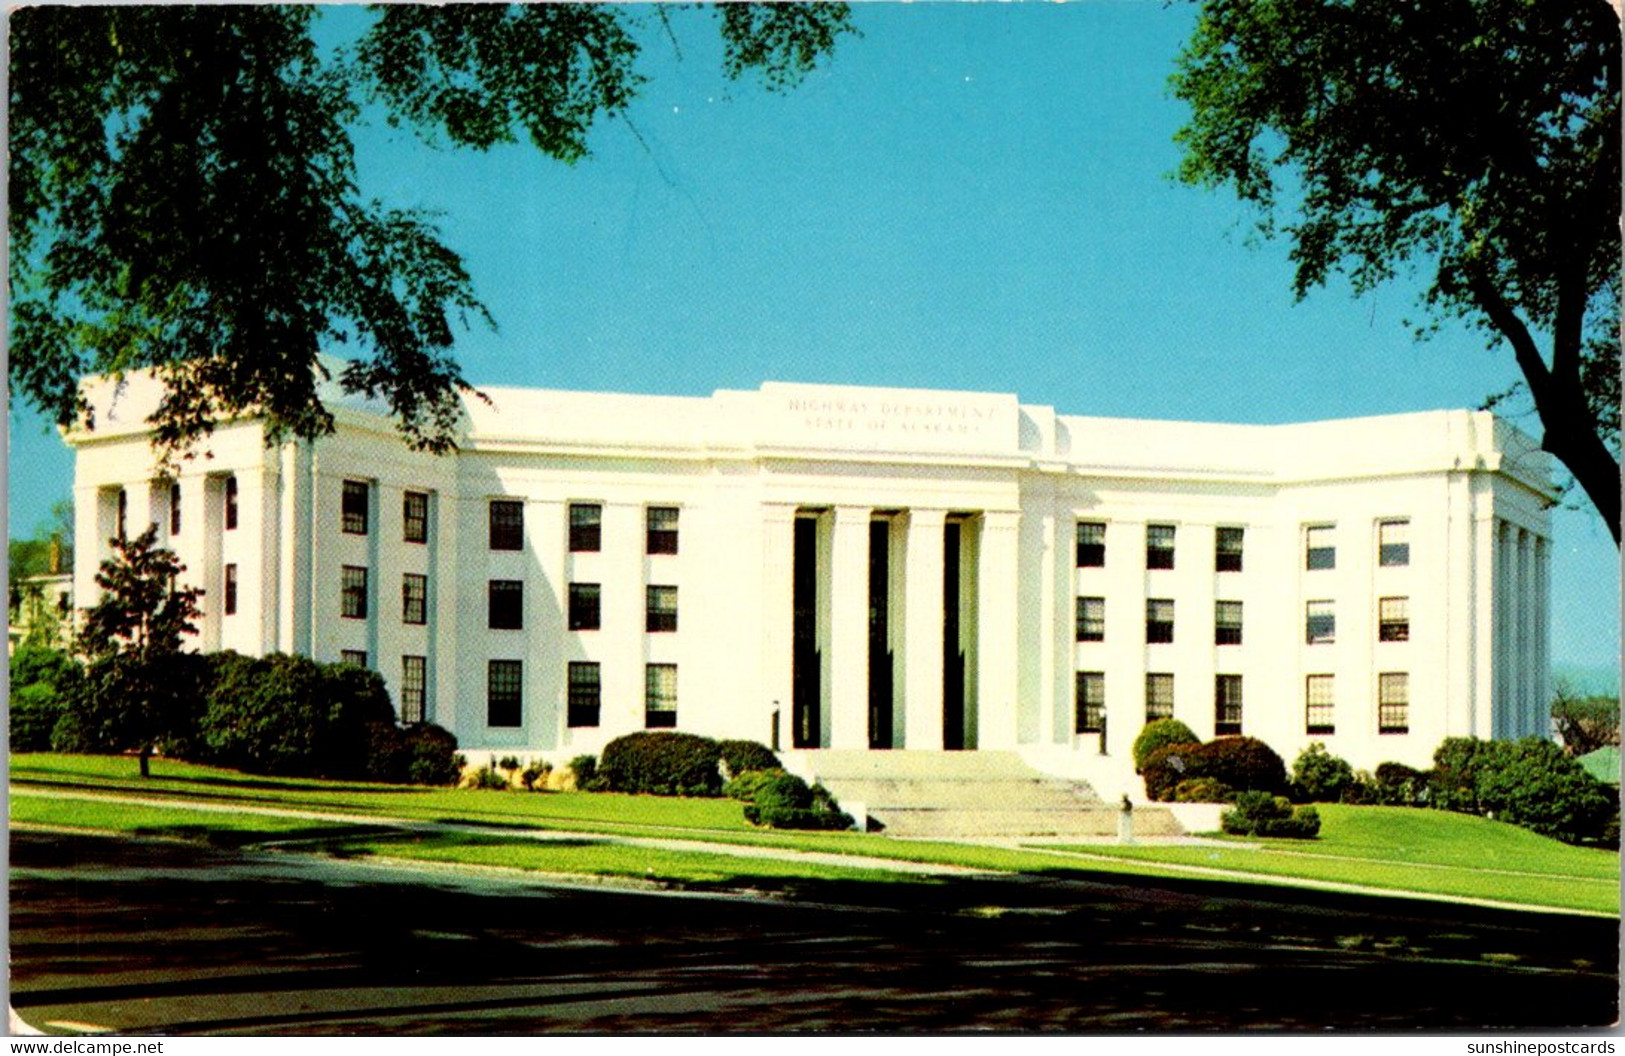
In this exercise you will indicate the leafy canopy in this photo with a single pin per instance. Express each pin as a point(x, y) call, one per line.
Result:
point(184, 194)
point(1476, 138)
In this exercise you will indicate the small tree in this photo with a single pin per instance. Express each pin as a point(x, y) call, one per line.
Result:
point(1584, 724)
point(1318, 776)
point(132, 696)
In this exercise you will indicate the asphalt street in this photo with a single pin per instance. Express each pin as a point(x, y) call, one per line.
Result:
point(148, 936)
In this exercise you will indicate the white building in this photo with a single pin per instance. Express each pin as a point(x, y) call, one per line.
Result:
point(872, 569)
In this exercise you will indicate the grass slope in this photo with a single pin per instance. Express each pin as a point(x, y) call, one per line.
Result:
point(1384, 847)
point(1416, 850)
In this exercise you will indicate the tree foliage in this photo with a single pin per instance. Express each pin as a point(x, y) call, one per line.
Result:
point(1476, 138)
point(1584, 723)
point(138, 688)
point(184, 193)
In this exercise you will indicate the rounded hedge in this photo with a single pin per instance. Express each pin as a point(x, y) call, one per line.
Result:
point(663, 764)
point(1170, 765)
point(739, 757)
point(1241, 763)
point(784, 801)
point(1261, 814)
point(1160, 733)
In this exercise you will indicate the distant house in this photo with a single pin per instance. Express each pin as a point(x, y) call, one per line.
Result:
point(40, 611)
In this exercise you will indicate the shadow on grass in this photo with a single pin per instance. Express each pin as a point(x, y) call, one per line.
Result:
point(245, 838)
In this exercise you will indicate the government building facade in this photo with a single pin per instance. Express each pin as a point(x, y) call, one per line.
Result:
point(820, 567)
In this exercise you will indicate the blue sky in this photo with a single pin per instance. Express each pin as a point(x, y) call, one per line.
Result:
point(970, 196)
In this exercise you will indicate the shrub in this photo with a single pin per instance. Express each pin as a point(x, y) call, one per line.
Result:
point(290, 716)
point(1318, 776)
point(536, 772)
point(1261, 814)
point(1532, 783)
point(662, 764)
point(35, 710)
point(1398, 785)
point(1159, 734)
point(585, 769)
point(784, 801)
point(431, 755)
point(510, 763)
point(35, 665)
point(1453, 782)
point(1169, 765)
point(739, 757)
point(1245, 764)
point(1203, 790)
point(745, 786)
point(486, 779)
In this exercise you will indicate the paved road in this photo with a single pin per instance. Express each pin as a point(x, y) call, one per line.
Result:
point(150, 936)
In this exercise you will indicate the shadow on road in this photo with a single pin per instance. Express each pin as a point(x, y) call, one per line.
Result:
point(160, 937)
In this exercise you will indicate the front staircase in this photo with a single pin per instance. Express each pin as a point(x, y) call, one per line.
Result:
point(971, 793)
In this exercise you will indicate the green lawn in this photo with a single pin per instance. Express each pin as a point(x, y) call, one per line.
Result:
point(1416, 850)
point(1384, 847)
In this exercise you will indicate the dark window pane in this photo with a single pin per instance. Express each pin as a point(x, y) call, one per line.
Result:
point(1091, 620)
point(660, 696)
point(1159, 620)
point(662, 533)
point(586, 528)
point(1227, 705)
point(355, 507)
point(661, 614)
point(507, 525)
point(231, 505)
point(414, 689)
point(1090, 702)
point(585, 613)
point(414, 598)
point(505, 603)
point(1091, 544)
point(1159, 697)
point(231, 590)
point(1159, 546)
point(415, 517)
point(353, 603)
point(174, 509)
point(502, 695)
point(1227, 549)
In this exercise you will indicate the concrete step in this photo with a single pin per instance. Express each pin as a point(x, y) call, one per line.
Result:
point(1002, 794)
point(1098, 822)
point(972, 793)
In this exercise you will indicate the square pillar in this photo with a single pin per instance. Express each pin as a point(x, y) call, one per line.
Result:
point(922, 630)
point(997, 615)
point(849, 628)
point(777, 615)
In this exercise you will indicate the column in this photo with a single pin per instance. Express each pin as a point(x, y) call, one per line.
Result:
point(1543, 640)
point(91, 530)
point(776, 618)
point(849, 628)
point(922, 631)
point(1526, 638)
point(997, 615)
point(1502, 599)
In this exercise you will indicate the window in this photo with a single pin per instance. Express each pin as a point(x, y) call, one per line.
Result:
point(414, 598)
point(355, 507)
point(1159, 620)
point(585, 693)
point(505, 604)
point(1159, 546)
point(358, 657)
point(503, 681)
point(1393, 703)
point(174, 509)
point(1227, 705)
point(1091, 544)
point(1317, 705)
point(1321, 548)
point(354, 592)
point(231, 504)
point(231, 590)
point(1091, 619)
point(1159, 697)
point(661, 614)
point(1320, 623)
point(1227, 549)
point(414, 689)
point(584, 607)
point(415, 517)
point(507, 524)
point(662, 530)
point(1393, 543)
point(1227, 623)
point(586, 528)
point(1089, 703)
point(123, 511)
point(660, 697)
point(1393, 620)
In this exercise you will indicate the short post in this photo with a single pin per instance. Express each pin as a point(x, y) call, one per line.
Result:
point(775, 731)
point(1125, 822)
